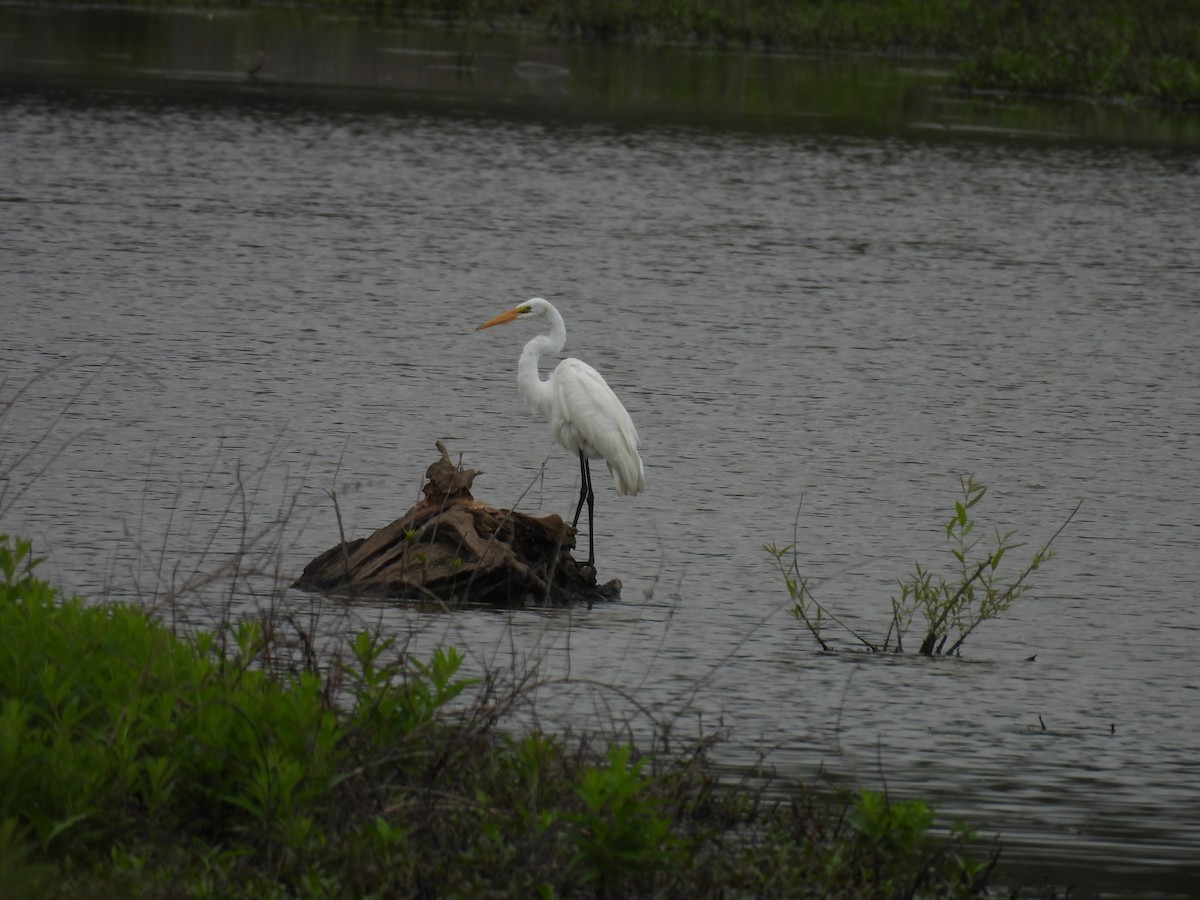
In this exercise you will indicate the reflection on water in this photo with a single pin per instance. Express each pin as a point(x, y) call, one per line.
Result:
point(238, 306)
point(344, 61)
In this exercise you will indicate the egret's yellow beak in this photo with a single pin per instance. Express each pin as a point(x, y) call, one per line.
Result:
point(504, 317)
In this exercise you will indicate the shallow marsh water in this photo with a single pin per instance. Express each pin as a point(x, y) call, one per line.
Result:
point(240, 297)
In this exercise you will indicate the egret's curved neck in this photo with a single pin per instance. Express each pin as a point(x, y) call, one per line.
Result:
point(529, 381)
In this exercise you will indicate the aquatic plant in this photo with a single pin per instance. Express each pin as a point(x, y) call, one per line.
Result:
point(950, 606)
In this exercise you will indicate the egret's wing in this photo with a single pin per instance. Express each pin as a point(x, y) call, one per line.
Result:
point(591, 418)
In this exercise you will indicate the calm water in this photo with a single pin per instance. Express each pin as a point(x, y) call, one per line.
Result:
point(233, 301)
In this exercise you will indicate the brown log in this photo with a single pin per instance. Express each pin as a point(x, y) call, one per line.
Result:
point(452, 549)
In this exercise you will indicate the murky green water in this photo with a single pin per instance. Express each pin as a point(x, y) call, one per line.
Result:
point(815, 286)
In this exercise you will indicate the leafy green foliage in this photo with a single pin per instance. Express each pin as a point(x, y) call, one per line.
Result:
point(951, 606)
point(402, 695)
point(885, 825)
point(975, 591)
point(110, 724)
point(620, 832)
point(1114, 48)
point(885, 829)
point(804, 605)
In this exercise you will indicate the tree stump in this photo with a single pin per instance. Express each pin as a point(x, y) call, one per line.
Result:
point(451, 549)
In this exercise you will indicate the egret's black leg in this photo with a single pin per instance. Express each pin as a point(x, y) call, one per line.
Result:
point(585, 493)
point(591, 502)
point(583, 487)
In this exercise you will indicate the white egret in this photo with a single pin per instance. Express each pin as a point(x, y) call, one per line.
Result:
point(585, 415)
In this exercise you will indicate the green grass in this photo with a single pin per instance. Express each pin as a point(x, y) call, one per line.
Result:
point(137, 762)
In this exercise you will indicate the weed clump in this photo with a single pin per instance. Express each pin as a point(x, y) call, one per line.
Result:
point(136, 762)
point(952, 607)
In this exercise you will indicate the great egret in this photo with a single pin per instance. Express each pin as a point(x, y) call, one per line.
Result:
point(585, 415)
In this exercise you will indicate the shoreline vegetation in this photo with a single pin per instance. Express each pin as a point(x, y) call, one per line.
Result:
point(242, 762)
point(1133, 51)
point(270, 755)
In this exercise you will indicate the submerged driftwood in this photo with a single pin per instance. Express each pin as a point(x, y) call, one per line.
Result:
point(452, 549)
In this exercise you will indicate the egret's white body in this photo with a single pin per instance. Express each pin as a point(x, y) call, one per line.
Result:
point(585, 415)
